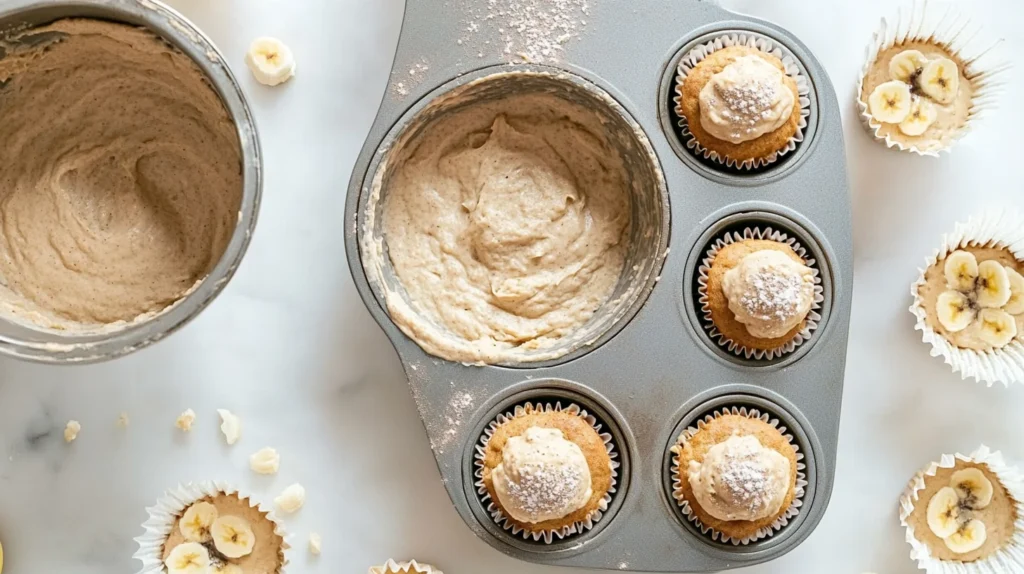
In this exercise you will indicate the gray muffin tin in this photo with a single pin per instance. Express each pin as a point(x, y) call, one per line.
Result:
point(655, 370)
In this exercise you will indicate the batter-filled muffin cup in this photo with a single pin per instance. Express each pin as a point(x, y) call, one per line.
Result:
point(121, 176)
point(742, 100)
point(213, 524)
point(969, 298)
point(546, 472)
point(738, 475)
point(759, 293)
point(411, 567)
point(926, 79)
point(965, 515)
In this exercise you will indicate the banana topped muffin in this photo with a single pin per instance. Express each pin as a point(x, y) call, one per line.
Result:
point(223, 534)
point(964, 513)
point(740, 104)
point(759, 293)
point(917, 94)
point(974, 297)
point(547, 471)
point(737, 475)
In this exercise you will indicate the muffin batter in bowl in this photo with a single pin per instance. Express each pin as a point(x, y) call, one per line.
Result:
point(120, 175)
point(507, 223)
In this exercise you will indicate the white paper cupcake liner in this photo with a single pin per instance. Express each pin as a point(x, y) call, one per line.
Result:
point(684, 505)
point(1004, 228)
point(956, 33)
point(413, 567)
point(173, 503)
point(1008, 559)
point(768, 46)
point(813, 316)
point(548, 536)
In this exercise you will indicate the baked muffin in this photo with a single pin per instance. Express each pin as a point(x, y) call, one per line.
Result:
point(974, 297)
point(737, 475)
point(917, 95)
point(226, 534)
point(963, 514)
point(759, 293)
point(740, 104)
point(547, 471)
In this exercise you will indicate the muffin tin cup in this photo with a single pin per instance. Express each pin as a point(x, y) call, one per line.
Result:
point(493, 509)
point(1006, 365)
point(412, 567)
point(174, 502)
point(677, 478)
point(953, 32)
point(768, 46)
point(813, 317)
point(1010, 558)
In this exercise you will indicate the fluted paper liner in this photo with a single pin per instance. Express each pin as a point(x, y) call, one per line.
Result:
point(684, 505)
point(494, 510)
point(174, 502)
point(1008, 559)
point(413, 567)
point(813, 316)
point(958, 35)
point(768, 46)
point(1000, 229)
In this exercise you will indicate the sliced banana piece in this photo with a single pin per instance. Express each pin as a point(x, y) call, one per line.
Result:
point(954, 311)
point(270, 61)
point(973, 486)
point(904, 65)
point(196, 522)
point(233, 536)
point(230, 426)
point(1015, 306)
point(993, 284)
point(188, 558)
point(998, 327)
point(944, 512)
point(940, 80)
point(922, 115)
point(890, 102)
point(968, 538)
point(961, 270)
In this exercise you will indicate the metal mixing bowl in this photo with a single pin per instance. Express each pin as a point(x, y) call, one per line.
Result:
point(37, 344)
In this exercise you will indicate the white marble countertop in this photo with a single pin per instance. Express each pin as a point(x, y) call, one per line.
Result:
point(291, 349)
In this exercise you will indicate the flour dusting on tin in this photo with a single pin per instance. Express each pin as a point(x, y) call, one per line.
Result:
point(526, 30)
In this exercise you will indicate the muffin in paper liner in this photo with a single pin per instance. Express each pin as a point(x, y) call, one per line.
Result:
point(768, 46)
point(548, 536)
point(813, 316)
point(677, 478)
point(955, 33)
point(412, 567)
point(174, 502)
point(1010, 558)
point(1004, 229)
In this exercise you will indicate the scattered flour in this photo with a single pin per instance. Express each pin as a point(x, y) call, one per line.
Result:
point(526, 30)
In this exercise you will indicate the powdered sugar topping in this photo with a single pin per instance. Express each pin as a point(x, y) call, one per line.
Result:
point(746, 100)
point(769, 293)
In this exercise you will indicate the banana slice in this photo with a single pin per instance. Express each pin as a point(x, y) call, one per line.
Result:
point(993, 285)
point(968, 538)
point(922, 115)
point(973, 487)
point(196, 522)
point(1015, 306)
point(954, 311)
point(271, 62)
point(998, 327)
point(890, 102)
point(233, 536)
point(944, 512)
point(940, 80)
point(961, 270)
point(188, 558)
point(906, 64)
